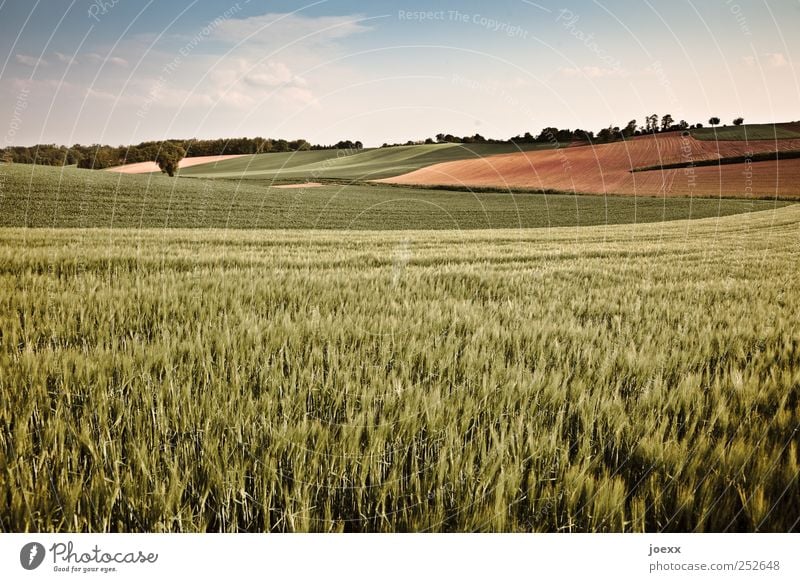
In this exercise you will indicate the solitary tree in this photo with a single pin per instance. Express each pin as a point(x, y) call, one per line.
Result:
point(666, 122)
point(169, 156)
point(738, 121)
point(714, 121)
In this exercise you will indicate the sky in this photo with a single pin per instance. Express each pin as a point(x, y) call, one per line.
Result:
point(125, 71)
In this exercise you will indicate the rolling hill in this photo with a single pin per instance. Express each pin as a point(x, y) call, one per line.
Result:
point(48, 197)
point(607, 169)
point(368, 164)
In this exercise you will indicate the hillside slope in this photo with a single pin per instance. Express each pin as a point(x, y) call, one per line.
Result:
point(606, 169)
point(365, 164)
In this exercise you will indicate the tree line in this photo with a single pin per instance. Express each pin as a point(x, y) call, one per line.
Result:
point(97, 156)
point(169, 152)
point(652, 124)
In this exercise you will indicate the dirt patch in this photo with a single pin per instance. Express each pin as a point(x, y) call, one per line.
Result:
point(303, 185)
point(148, 167)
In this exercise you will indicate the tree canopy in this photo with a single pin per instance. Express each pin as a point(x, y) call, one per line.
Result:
point(169, 156)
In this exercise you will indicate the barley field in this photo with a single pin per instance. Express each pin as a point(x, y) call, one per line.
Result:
point(608, 378)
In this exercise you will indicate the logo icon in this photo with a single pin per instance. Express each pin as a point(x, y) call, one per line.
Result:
point(31, 555)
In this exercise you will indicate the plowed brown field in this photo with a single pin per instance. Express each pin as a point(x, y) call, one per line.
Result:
point(606, 169)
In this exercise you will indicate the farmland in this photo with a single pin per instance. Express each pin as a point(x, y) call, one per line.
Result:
point(608, 168)
point(148, 167)
point(607, 378)
point(352, 164)
point(48, 197)
point(764, 131)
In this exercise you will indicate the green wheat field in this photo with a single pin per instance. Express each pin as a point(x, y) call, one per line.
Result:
point(570, 378)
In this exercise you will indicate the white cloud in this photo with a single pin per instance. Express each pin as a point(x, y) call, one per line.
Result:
point(279, 30)
point(245, 83)
point(776, 60)
point(62, 58)
point(271, 74)
point(770, 60)
point(97, 58)
point(30, 61)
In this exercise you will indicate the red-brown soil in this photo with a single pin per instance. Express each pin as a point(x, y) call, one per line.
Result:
point(147, 167)
point(606, 169)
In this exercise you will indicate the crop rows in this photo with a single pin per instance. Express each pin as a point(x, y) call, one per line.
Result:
point(69, 198)
point(625, 378)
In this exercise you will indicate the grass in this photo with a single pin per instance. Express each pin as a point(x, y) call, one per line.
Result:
point(612, 378)
point(46, 197)
point(368, 164)
point(749, 132)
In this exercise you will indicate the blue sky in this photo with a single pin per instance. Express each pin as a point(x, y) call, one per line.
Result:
point(131, 70)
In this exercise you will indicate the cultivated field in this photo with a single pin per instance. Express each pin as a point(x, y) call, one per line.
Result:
point(147, 167)
point(606, 169)
point(610, 378)
point(762, 131)
point(352, 165)
point(48, 197)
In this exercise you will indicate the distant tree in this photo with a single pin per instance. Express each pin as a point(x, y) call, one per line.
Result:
point(666, 122)
point(548, 134)
point(564, 135)
point(429, 140)
point(73, 157)
point(738, 121)
point(651, 122)
point(607, 134)
point(699, 125)
point(440, 137)
point(714, 121)
point(683, 124)
point(629, 129)
point(169, 156)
